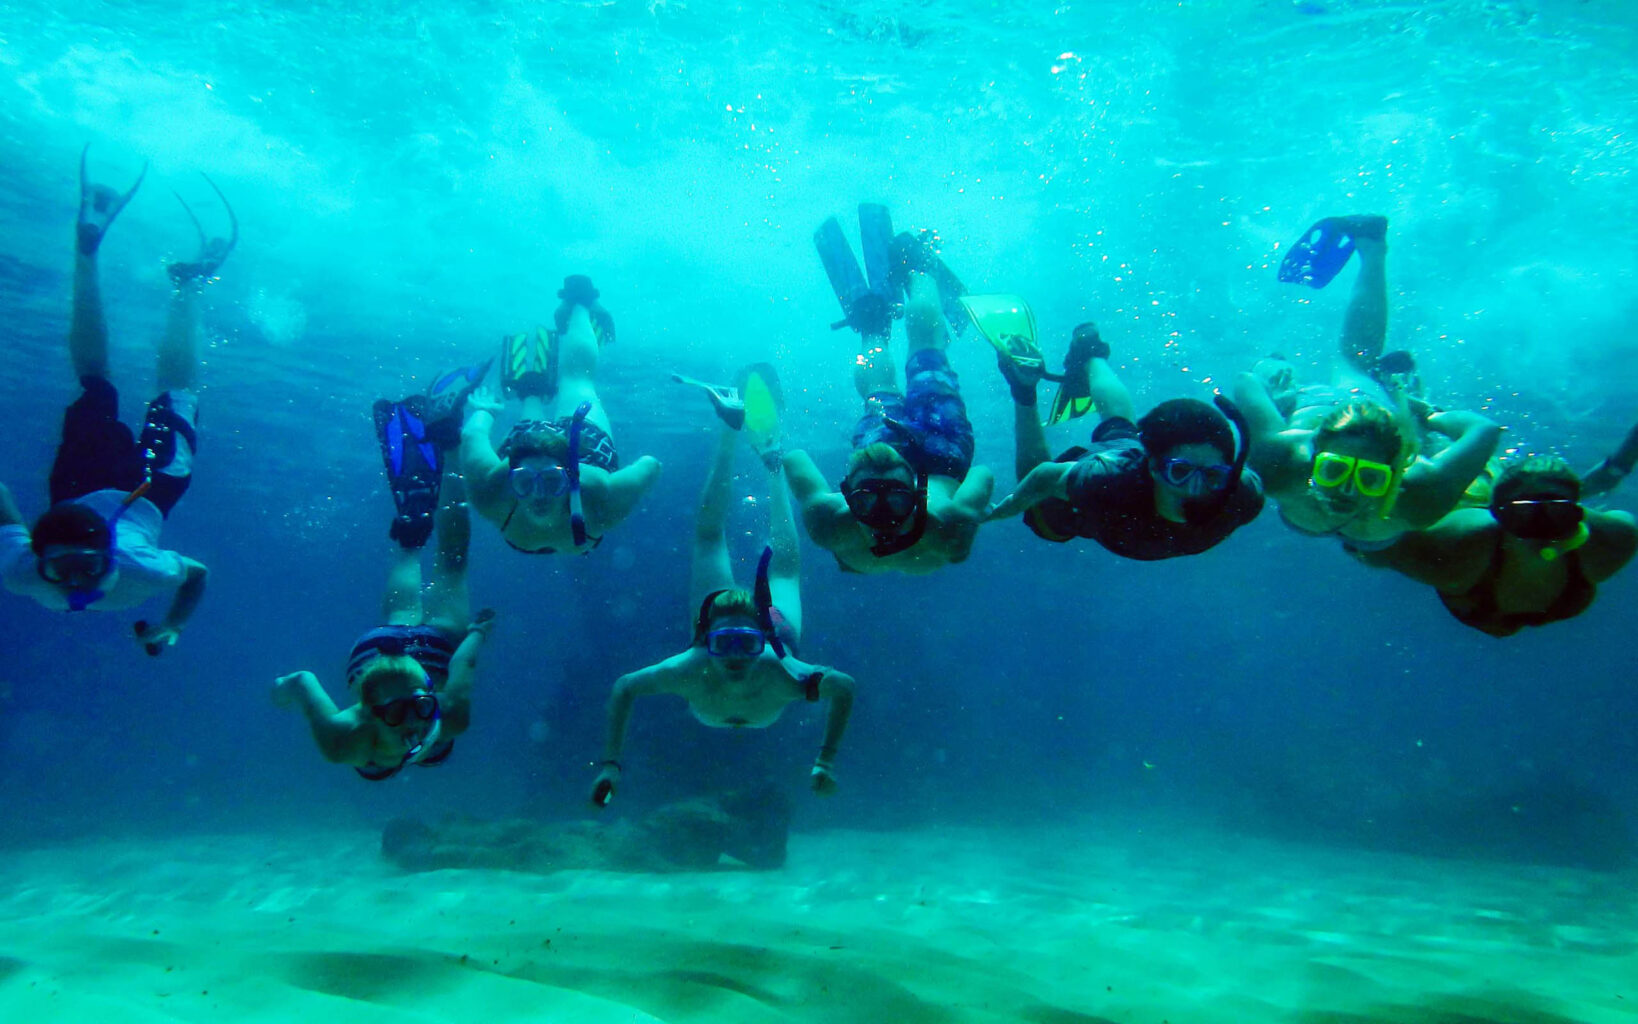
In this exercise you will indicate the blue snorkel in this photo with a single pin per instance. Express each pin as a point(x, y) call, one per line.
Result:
point(571, 467)
point(763, 596)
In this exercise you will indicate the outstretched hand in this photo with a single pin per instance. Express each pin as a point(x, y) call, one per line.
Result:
point(822, 779)
point(284, 688)
point(608, 777)
point(483, 400)
point(1004, 509)
point(155, 637)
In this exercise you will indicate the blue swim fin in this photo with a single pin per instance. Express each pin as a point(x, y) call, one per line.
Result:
point(415, 468)
point(1319, 255)
point(866, 311)
point(446, 401)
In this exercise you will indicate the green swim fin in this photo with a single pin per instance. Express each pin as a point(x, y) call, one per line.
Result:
point(1006, 322)
point(763, 401)
point(529, 364)
point(1074, 398)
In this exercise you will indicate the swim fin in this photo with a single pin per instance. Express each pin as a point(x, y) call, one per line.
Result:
point(920, 252)
point(446, 401)
point(578, 290)
point(1324, 249)
point(763, 401)
point(876, 246)
point(725, 401)
point(867, 311)
point(1006, 322)
point(1074, 397)
point(415, 468)
point(529, 364)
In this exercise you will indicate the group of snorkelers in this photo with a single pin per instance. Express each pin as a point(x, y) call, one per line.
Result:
point(1401, 483)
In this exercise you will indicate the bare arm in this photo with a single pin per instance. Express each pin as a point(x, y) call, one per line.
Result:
point(1451, 555)
point(10, 514)
point(824, 512)
point(973, 496)
point(612, 497)
point(333, 730)
point(479, 462)
point(1609, 472)
point(1048, 480)
point(836, 687)
point(463, 672)
point(155, 636)
point(626, 690)
point(1614, 539)
point(1435, 486)
point(1275, 452)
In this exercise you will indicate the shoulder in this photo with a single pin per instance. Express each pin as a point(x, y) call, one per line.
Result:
point(1613, 541)
point(151, 564)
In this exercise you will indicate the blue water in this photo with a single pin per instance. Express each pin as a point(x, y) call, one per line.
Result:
point(411, 186)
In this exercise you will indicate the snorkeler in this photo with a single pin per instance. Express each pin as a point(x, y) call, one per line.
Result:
point(1173, 483)
point(413, 676)
point(1340, 463)
point(741, 669)
point(910, 500)
point(1535, 556)
point(555, 483)
point(97, 547)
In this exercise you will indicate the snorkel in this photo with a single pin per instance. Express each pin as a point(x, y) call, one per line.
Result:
point(763, 596)
point(577, 516)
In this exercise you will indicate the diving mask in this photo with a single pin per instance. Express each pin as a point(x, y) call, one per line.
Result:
point(881, 504)
point(1333, 471)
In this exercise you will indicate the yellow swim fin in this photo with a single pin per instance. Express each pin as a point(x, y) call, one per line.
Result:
point(1006, 322)
point(764, 400)
point(529, 364)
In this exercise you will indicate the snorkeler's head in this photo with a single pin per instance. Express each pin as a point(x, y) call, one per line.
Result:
point(1538, 499)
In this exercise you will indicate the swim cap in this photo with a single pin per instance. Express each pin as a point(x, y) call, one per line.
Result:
point(70, 524)
point(1185, 421)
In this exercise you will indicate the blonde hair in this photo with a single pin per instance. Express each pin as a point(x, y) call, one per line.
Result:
point(1369, 423)
point(721, 605)
point(881, 457)
point(385, 668)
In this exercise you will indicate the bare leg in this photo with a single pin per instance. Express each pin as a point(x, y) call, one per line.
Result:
point(88, 331)
point(1365, 327)
point(179, 348)
point(1109, 392)
point(402, 604)
point(710, 569)
point(785, 571)
point(924, 315)
point(1029, 440)
point(577, 351)
point(448, 604)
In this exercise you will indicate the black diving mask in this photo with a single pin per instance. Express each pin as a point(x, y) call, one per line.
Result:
point(881, 504)
point(1544, 518)
point(394, 713)
point(81, 568)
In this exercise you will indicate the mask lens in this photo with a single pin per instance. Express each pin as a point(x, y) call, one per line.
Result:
point(1541, 518)
point(881, 503)
point(1183, 473)
point(1332, 470)
point(75, 567)
point(735, 642)
point(538, 482)
point(395, 712)
point(1372, 479)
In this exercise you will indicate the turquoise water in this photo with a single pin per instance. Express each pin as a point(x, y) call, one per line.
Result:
point(411, 184)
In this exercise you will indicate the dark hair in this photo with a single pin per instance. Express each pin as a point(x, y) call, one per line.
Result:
point(71, 524)
point(1185, 421)
point(1536, 475)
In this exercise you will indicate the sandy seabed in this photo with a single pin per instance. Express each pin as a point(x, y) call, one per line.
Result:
point(1053, 926)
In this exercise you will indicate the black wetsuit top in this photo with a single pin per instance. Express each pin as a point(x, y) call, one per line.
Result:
point(1112, 501)
point(1478, 607)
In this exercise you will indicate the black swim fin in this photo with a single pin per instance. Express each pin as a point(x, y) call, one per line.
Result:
point(415, 468)
point(1074, 397)
point(865, 310)
point(578, 290)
